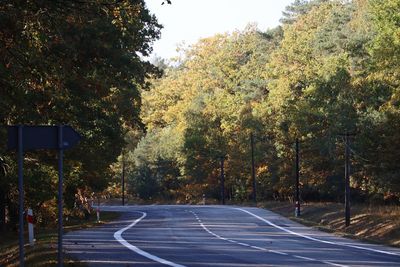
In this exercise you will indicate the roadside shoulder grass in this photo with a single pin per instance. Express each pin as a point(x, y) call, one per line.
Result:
point(44, 252)
point(376, 224)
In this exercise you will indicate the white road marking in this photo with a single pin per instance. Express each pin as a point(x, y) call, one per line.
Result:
point(304, 258)
point(332, 263)
point(316, 239)
point(255, 247)
point(120, 239)
point(109, 262)
point(259, 248)
point(278, 252)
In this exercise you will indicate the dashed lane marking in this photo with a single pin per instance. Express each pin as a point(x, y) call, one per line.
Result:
point(259, 248)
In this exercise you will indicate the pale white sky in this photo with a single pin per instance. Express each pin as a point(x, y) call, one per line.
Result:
point(190, 20)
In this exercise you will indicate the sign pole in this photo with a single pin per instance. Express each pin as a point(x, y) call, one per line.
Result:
point(21, 194)
point(22, 138)
point(123, 179)
point(60, 195)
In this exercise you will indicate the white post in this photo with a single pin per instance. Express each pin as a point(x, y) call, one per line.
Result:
point(29, 218)
point(98, 214)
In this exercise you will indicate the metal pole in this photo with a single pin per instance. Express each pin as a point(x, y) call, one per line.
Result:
point(297, 210)
point(253, 172)
point(21, 195)
point(347, 181)
point(123, 180)
point(60, 195)
point(222, 182)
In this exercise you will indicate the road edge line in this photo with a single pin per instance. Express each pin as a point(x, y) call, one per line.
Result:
point(316, 239)
point(120, 239)
point(259, 248)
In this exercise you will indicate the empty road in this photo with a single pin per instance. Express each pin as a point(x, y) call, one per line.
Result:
point(183, 235)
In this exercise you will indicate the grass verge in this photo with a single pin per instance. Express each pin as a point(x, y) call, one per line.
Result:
point(44, 252)
point(376, 224)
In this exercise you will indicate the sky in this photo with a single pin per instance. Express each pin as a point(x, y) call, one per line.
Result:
point(187, 21)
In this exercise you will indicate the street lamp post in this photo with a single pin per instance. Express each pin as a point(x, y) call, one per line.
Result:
point(222, 182)
point(253, 172)
point(297, 209)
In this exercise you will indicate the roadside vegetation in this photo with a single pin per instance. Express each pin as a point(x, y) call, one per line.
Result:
point(77, 63)
point(44, 252)
point(371, 223)
point(331, 68)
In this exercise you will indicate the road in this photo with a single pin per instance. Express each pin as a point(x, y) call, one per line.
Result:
point(183, 235)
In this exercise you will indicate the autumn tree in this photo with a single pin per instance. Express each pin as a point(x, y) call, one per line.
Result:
point(76, 63)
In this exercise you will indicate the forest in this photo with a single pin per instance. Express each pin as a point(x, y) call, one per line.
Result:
point(332, 67)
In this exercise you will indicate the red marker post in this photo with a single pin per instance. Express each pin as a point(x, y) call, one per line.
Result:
point(30, 220)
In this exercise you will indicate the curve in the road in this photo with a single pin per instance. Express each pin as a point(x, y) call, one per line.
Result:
point(260, 248)
point(120, 239)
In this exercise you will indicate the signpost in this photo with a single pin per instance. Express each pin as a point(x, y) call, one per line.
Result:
point(21, 195)
point(23, 138)
point(123, 179)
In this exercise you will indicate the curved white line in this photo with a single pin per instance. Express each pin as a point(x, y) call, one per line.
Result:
point(316, 239)
point(118, 237)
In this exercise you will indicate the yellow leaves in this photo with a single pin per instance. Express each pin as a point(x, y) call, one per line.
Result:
point(118, 20)
point(32, 32)
point(360, 17)
point(124, 14)
point(117, 12)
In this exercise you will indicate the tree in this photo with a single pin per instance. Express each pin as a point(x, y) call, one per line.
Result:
point(298, 9)
point(77, 63)
point(205, 108)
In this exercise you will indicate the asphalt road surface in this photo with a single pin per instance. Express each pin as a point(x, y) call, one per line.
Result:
point(184, 235)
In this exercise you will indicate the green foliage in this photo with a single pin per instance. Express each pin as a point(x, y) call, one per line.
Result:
point(297, 9)
point(76, 63)
point(144, 183)
point(385, 47)
point(331, 68)
point(202, 110)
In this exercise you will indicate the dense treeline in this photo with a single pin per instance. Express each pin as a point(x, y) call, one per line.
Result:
point(332, 67)
point(70, 62)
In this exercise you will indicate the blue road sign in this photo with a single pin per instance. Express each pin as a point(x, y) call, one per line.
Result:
point(22, 138)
